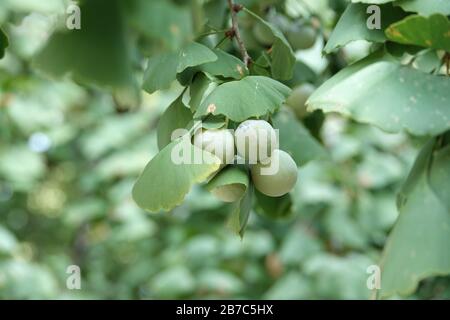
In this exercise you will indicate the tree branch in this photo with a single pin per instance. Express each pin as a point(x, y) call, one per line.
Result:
point(234, 9)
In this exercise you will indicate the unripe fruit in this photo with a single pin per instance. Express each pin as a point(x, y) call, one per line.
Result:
point(298, 97)
point(219, 142)
point(301, 37)
point(263, 34)
point(282, 179)
point(229, 193)
point(255, 140)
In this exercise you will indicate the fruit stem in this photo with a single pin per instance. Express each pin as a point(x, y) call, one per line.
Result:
point(234, 32)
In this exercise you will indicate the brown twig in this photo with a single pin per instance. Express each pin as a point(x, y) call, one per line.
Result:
point(234, 32)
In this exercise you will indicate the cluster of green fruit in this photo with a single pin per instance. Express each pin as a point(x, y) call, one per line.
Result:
point(255, 146)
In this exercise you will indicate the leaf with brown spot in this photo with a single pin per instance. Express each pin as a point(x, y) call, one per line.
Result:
point(253, 96)
point(429, 32)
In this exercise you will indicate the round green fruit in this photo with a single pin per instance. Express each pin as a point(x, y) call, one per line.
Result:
point(255, 140)
point(301, 37)
point(277, 177)
point(299, 96)
point(263, 34)
point(230, 192)
point(219, 142)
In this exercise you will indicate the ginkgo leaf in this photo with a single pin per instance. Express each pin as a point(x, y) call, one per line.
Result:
point(226, 65)
point(379, 90)
point(194, 54)
point(161, 72)
point(253, 96)
point(241, 212)
point(176, 116)
point(231, 175)
point(162, 69)
point(352, 25)
point(199, 89)
point(169, 176)
point(283, 58)
point(429, 32)
point(417, 246)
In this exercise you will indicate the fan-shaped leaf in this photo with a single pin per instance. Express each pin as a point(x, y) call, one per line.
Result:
point(423, 224)
point(241, 212)
point(164, 183)
point(352, 25)
point(380, 91)
point(253, 96)
point(194, 54)
point(429, 32)
point(162, 69)
point(226, 65)
point(229, 176)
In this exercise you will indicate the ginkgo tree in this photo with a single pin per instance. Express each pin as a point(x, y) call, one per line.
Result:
point(235, 61)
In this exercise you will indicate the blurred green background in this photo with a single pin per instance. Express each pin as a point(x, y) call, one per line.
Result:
point(69, 157)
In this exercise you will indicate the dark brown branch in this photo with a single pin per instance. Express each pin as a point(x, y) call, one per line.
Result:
point(234, 32)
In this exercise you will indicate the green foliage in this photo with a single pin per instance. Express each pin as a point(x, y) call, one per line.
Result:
point(253, 96)
point(154, 191)
point(352, 26)
point(432, 32)
point(282, 56)
point(176, 116)
point(296, 139)
point(420, 109)
point(407, 258)
point(109, 65)
point(163, 69)
point(162, 21)
point(75, 187)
